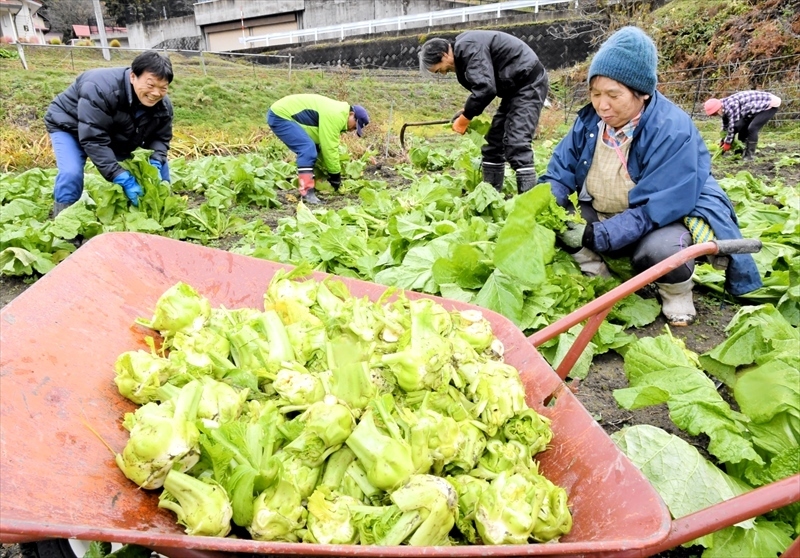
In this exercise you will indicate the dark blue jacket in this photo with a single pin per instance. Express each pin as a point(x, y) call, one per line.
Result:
point(493, 64)
point(102, 111)
point(671, 167)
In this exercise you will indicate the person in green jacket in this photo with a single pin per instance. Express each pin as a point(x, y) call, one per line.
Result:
point(310, 125)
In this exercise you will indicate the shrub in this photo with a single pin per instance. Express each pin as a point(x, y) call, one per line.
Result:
point(84, 42)
point(55, 41)
point(114, 43)
point(6, 40)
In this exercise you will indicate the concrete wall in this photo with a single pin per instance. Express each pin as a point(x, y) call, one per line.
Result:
point(6, 24)
point(322, 13)
point(155, 33)
point(558, 44)
point(234, 10)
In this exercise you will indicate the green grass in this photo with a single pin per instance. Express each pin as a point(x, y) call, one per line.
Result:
point(225, 107)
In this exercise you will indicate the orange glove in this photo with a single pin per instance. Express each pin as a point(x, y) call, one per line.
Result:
point(306, 182)
point(460, 125)
point(726, 147)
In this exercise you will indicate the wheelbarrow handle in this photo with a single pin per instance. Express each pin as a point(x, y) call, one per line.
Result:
point(426, 123)
point(598, 309)
point(724, 514)
point(738, 246)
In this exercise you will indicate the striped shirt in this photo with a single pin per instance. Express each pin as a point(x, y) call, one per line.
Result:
point(744, 104)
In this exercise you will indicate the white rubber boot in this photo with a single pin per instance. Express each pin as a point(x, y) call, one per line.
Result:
point(591, 263)
point(677, 304)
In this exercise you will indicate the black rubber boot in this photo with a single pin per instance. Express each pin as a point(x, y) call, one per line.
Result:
point(494, 173)
point(59, 207)
point(750, 151)
point(311, 198)
point(525, 181)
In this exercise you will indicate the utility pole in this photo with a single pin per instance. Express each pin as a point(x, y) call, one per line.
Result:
point(101, 28)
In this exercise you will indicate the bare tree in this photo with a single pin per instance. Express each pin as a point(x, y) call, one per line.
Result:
point(63, 14)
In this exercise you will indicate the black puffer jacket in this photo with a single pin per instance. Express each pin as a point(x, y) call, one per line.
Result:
point(492, 64)
point(100, 109)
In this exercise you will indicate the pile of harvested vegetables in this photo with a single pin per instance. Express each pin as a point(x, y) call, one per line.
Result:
point(327, 418)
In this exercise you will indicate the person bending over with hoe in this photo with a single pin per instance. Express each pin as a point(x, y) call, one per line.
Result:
point(643, 177)
point(310, 125)
point(743, 113)
point(105, 115)
point(494, 64)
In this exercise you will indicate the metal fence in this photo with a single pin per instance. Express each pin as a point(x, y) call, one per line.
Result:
point(689, 89)
point(184, 62)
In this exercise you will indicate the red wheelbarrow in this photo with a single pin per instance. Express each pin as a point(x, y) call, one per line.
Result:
point(60, 340)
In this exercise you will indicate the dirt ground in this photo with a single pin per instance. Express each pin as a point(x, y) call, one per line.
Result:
point(606, 373)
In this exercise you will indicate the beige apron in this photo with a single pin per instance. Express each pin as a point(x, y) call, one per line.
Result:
point(607, 181)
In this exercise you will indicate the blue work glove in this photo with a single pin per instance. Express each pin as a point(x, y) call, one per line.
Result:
point(157, 164)
point(129, 186)
point(617, 232)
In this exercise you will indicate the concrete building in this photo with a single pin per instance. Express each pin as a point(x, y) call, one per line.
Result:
point(19, 22)
point(221, 25)
point(176, 32)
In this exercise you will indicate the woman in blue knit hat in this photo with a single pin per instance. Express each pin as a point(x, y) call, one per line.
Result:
point(643, 177)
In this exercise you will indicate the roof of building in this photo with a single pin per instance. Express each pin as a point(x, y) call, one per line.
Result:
point(86, 31)
point(18, 3)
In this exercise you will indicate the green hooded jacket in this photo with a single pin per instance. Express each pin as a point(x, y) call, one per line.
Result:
point(323, 119)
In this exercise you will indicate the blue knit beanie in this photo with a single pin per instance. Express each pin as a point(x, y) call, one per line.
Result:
point(629, 57)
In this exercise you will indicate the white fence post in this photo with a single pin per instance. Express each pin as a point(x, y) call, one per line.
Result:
point(21, 53)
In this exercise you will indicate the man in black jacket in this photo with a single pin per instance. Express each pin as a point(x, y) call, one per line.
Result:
point(494, 64)
point(105, 115)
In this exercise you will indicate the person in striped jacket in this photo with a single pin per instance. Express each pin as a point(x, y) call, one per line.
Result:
point(743, 113)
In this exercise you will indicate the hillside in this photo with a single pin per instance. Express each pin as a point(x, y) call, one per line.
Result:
point(694, 34)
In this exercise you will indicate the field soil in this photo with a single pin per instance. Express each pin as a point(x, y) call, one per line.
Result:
point(606, 373)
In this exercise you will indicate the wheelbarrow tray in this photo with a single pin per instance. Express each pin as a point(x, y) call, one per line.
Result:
point(60, 406)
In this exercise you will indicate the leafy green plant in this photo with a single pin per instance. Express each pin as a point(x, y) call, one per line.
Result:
point(758, 445)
